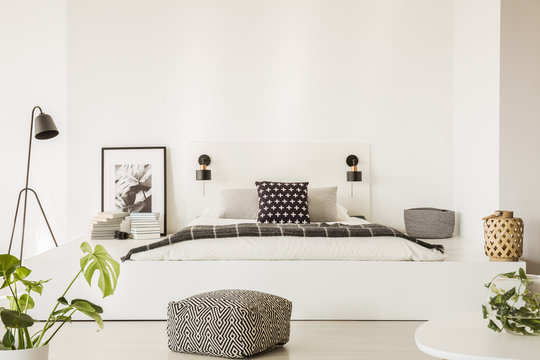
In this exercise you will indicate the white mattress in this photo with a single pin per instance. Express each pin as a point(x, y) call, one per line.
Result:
point(291, 248)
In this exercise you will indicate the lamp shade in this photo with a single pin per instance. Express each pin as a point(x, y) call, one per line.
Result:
point(44, 127)
point(354, 175)
point(203, 174)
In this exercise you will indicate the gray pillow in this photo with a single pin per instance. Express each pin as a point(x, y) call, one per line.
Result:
point(322, 204)
point(239, 204)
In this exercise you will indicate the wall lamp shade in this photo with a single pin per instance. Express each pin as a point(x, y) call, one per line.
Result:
point(353, 174)
point(203, 174)
point(44, 127)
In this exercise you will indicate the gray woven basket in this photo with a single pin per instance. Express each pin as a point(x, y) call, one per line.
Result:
point(429, 223)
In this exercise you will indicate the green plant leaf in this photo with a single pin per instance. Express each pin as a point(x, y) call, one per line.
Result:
point(62, 311)
point(26, 302)
point(8, 264)
point(494, 326)
point(96, 308)
point(22, 272)
point(510, 275)
point(484, 312)
point(99, 260)
point(508, 295)
point(97, 318)
point(83, 306)
point(8, 340)
point(35, 286)
point(86, 248)
point(13, 319)
point(89, 309)
point(523, 277)
point(12, 303)
point(6, 283)
point(522, 274)
point(63, 301)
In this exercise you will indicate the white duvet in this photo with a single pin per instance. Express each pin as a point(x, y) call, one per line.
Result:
point(291, 248)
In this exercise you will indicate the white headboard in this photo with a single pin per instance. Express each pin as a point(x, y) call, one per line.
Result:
point(239, 165)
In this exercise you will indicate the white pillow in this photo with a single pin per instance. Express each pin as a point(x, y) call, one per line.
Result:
point(212, 210)
point(239, 204)
point(342, 213)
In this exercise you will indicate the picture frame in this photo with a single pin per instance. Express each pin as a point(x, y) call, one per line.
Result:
point(134, 179)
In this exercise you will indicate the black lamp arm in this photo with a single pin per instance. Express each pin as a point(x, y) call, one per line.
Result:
point(34, 109)
point(30, 145)
point(28, 176)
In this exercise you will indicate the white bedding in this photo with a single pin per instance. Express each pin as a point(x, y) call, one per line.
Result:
point(291, 248)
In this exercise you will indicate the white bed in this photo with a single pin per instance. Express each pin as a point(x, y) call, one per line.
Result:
point(319, 290)
point(336, 288)
point(290, 248)
point(329, 289)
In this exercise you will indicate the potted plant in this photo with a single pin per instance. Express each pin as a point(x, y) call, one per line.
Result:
point(513, 303)
point(17, 342)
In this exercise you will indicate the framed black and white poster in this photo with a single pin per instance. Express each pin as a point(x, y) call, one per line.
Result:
point(133, 179)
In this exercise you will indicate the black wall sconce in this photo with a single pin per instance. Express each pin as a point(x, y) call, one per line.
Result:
point(353, 175)
point(203, 174)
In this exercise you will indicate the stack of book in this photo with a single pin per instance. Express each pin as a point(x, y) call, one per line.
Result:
point(104, 224)
point(145, 225)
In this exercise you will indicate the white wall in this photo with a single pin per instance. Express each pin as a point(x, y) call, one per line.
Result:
point(33, 72)
point(520, 120)
point(476, 113)
point(417, 79)
point(166, 72)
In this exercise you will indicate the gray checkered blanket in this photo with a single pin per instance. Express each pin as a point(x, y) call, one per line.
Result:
point(264, 230)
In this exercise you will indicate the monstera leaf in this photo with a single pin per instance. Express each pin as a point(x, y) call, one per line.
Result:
point(99, 260)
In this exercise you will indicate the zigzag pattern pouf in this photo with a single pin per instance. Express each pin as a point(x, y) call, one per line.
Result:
point(229, 323)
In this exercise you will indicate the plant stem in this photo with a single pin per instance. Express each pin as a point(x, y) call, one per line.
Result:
point(21, 332)
point(14, 297)
point(55, 307)
point(62, 324)
point(28, 338)
point(20, 340)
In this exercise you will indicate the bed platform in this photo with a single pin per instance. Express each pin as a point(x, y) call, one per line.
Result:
point(319, 290)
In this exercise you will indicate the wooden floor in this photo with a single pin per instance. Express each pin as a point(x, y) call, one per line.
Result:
point(328, 340)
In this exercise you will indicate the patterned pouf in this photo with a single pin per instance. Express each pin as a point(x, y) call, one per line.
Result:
point(229, 323)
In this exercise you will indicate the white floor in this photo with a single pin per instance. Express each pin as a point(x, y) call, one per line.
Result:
point(328, 340)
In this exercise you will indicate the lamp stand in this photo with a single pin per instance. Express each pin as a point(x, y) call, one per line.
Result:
point(25, 190)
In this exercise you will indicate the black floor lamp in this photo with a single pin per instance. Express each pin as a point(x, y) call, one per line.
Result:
point(45, 129)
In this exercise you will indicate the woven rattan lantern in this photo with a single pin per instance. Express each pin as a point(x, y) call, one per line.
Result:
point(503, 234)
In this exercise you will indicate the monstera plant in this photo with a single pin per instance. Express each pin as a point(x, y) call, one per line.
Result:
point(16, 319)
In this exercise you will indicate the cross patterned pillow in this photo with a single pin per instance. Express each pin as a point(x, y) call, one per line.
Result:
point(283, 202)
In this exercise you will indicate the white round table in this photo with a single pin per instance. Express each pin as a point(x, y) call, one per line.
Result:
point(466, 336)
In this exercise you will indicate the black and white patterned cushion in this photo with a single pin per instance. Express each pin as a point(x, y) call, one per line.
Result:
point(283, 202)
point(229, 323)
